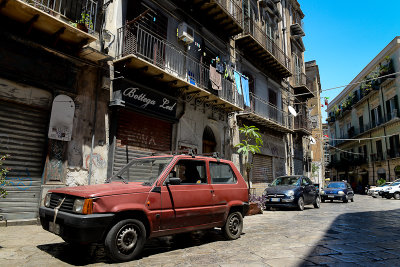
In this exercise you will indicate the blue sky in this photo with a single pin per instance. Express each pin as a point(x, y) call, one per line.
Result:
point(343, 36)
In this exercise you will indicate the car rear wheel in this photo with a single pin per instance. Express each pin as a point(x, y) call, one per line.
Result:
point(233, 226)
point(125, 240)
point(300, 203)
point(352, 199)
point(317, 202)
point(396, 195)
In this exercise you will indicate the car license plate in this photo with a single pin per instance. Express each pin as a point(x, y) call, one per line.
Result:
point(275, 199)
point(331, 196)
point(54, 228)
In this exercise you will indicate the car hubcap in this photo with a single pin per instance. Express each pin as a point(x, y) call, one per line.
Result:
point(126, 238)
point(301, 203)
point(234, 225)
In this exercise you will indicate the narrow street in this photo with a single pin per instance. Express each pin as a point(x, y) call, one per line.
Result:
point(353, 234)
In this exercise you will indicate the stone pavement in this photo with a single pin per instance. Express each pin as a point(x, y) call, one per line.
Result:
point(363, 233)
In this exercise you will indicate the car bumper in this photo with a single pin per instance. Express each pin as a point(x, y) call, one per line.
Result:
point(76, 228)
point(281, 203)
point(334, 197)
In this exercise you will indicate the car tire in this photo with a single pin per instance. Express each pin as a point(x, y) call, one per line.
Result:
point(125, 240)
point(322, 200)
point(233, 226)
point(396, 195)
point(388, 197)
point(352, 199)
point(317, 202)
point(300, 204)
point(345, 200)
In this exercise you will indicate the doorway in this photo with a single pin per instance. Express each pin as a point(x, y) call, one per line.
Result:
point(209, 143)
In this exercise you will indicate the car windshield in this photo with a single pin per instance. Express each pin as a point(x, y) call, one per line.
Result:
point(145, 170)
point(286, 180)
point(336, 185)
point(396, 183)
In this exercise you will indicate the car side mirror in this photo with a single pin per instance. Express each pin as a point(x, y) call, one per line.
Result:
point(174, 181)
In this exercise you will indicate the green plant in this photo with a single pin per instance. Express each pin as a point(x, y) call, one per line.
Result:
point(381, 181)
point(3, 181)
point(86, 19)
point(251, 144)
point(314, 169)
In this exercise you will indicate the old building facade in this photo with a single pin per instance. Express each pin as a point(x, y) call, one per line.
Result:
point(142, 77)
point(364, 123)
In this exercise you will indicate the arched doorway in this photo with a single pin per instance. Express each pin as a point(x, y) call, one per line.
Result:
point(209, 143)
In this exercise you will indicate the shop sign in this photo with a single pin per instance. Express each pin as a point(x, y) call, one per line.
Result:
point(142, 98)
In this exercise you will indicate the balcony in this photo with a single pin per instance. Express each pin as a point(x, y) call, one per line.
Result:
point(263, 51)
point(225, 16)
point(301, 87)
point(302, 124)
point(296, 29)
point(147, 53)
point(57, 18)
point(265, 114)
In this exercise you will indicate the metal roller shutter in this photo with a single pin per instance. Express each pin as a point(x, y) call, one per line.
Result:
point(23, 138)
point(139, 136)
point(262, 171)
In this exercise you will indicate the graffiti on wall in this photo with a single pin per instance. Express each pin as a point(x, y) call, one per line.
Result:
point(97, 161)
point(54, 164)
point(22, 180)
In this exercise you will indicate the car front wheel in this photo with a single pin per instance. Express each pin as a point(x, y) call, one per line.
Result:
point(125, 240)
point(317, 202)
point(300, 203)
point(233, 226)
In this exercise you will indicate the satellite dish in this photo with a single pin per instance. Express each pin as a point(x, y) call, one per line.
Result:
point(292, 111)
point(312, 140)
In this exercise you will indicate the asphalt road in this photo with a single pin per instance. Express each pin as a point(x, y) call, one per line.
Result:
point(365, 232)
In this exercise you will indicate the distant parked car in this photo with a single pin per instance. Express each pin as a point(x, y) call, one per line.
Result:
point(292, 191)
point(392, 191)
point(374, 191)
point(338, 191)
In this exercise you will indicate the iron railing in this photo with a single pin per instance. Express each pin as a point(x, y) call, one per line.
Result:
point(141, 42)
point(266, 110)
point(233, 9)
point(72, 11)
point(251, 27)
point(300, 79)
point(302, 122)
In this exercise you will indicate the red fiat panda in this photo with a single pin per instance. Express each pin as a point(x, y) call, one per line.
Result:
point(149, 197)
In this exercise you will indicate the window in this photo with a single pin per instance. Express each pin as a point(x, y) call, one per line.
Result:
point(392, 108)
point(305, 181)
point(361, 123)
point(379, 151)
point(376, 116)
point(222, 173)
point(190, 172)
point(394, 146)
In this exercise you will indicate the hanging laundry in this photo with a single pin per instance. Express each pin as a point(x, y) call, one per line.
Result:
point(215, 79)
point(219, 67)
point(245, 88)
point(238, 83)
point(229, 72)
point(326, 101)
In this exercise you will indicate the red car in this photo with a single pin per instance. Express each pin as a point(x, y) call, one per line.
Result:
point(149, 197)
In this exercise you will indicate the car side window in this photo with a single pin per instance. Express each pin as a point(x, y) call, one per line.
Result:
point(305, 182)
point(222, 173)
point(190, 171)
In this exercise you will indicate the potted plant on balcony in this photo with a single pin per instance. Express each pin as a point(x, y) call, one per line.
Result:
point(85, 22)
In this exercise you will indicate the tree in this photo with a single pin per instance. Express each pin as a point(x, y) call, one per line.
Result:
point(251, 144)
point(3, 182)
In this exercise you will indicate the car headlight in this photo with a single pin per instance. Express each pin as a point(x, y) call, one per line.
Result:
point(341, 193)
point(83, 206)
point(322, 192)
point(47, 200)
point(290, 193)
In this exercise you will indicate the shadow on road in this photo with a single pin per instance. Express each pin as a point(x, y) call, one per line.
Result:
point(80, 255)
point(361, 238)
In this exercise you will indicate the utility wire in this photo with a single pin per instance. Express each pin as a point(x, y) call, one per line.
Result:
point(346, 151)
point(333, 88)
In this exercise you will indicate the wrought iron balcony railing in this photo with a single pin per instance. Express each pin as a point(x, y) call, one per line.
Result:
point(72, 11)
point(139, 41)
point(300, 79)
point(232, 8)
point(302, 122)
point(251, 27)
point(266, 110)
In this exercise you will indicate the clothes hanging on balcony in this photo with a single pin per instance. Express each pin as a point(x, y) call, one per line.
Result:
point(215, 79)
point(238, 83)
point(245, 88)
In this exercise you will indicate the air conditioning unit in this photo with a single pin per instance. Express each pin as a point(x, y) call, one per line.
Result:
point(185, 33)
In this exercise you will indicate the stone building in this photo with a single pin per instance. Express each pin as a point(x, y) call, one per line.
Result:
point(364, 123)
point(92, 85)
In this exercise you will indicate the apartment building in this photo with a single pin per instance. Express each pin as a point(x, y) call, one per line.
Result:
point(364, 123)
point(88, 85)
point(327, 157)
point(317, 169)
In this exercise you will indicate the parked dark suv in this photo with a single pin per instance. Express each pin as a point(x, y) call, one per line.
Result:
point(150, 197)
point(291, 191)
